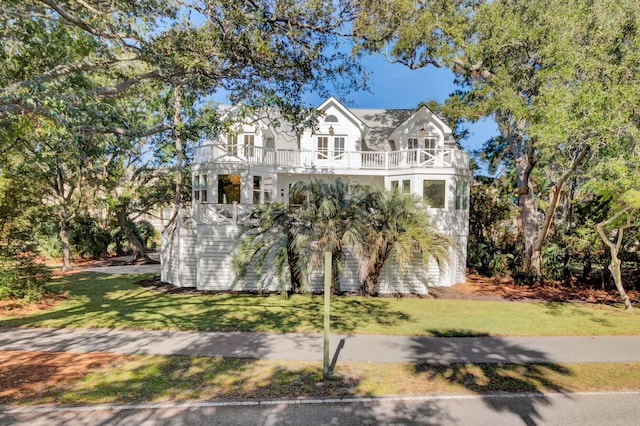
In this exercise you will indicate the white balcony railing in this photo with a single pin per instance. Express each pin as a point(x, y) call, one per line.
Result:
point(376, 160)
point(216, 214)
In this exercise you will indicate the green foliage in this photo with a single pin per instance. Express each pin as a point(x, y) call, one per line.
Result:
point(399, 228)
point(146, 232)
point(333, 214)
point(493, 245)
point(20, 275)
point(22, 278)
point(88, 238)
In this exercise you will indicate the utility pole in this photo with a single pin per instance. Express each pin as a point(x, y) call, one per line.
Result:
point(327, 299)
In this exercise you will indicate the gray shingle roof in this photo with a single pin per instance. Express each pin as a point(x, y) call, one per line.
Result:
point(381, 122)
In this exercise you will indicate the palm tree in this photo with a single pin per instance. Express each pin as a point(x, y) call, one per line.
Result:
point(329, 216)
point(274, 232)
point(400, 227)
point(376, 223)
point(332, 215)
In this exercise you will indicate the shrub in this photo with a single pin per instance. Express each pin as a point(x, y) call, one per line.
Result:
point(22, 278)
point(87, 238)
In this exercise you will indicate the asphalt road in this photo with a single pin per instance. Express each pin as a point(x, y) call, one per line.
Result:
point(308, 346)
point(533, 409)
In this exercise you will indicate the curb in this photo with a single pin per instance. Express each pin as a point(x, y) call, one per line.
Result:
point(5, 409)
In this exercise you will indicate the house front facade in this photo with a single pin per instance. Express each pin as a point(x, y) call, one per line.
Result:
point(412, 151)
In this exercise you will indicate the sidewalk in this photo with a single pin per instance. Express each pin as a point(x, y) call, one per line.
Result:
point(297, 346)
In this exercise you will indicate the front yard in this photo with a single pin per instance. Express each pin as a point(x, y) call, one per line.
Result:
point(99, 300)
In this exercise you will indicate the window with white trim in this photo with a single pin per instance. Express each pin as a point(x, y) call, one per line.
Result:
point(433, 193)
point(462, 195)
point(200, 188)
point(338, 147)
point(323, 147)
point(249, 143)
point(232, 142)
point(257, 189)
point(406, 186)
point(430, 146)
point(413, 144)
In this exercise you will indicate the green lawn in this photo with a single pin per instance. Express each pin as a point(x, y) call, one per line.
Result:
point(99, 300)
point(154, 378)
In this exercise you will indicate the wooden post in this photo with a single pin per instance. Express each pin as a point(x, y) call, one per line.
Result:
point(327, 298)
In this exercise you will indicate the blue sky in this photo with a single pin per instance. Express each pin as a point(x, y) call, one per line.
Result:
point(396, 86)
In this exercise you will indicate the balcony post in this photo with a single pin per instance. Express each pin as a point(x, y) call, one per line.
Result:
point(234, 212)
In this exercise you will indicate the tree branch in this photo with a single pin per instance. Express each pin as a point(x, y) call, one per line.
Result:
point(126, 132)
point(62, 70)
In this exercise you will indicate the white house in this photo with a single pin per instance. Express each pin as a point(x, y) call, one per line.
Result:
point(406, 150)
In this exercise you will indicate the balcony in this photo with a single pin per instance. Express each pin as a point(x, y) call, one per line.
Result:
point(286, 160)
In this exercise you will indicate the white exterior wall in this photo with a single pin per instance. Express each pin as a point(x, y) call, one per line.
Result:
point(202, 257)
point(178, 257)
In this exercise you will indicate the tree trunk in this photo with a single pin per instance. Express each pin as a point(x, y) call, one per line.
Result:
point(614, 248)
point(529, 224)
point(335, 272)
point(554, 196)
point(64, 241)
point(177, 121)
point(135, 245)
point(524, 158)
point(616, 272)
point(294, 268)
point(370, 281)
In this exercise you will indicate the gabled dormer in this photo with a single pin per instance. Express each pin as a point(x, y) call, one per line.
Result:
point(423, 129)
point(337, 132)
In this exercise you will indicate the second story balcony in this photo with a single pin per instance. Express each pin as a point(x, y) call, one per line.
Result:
point(285, 160)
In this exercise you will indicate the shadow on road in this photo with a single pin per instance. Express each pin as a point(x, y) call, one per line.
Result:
point(510, 370)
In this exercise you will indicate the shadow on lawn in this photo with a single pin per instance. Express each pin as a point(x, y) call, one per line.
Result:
point(113, 301)
point(488, 365)
point(177, 379)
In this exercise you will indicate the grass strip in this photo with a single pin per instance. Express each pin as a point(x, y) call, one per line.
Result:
point(114, 301)
point(146, 378)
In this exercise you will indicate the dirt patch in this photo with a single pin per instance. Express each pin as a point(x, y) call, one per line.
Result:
point(12, 307)
point(25, 375)
point(475, 288)
point(495, 288)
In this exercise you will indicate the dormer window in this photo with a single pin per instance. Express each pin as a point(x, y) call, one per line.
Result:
point(430, 145)
point(249, 144)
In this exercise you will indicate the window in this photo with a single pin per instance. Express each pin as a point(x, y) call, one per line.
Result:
point(257, 190)
point(228, 189)
point(433, 193)
point(406, 186)
point(394, 185)
point(462, 195)
point(430, 146)
point(196, 188)
point(249, 143)
point(413, 144)
point(323, 147)
point(200, 188)
point(232, 142)
point(267, 189)
point(338, 144)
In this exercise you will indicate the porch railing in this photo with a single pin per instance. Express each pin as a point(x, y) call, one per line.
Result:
point(355, 160)
point(218, 214)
